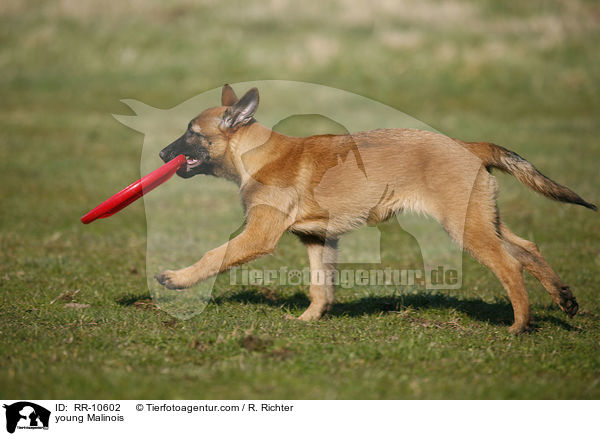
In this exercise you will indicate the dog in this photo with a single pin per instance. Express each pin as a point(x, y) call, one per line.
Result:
point(297, 184)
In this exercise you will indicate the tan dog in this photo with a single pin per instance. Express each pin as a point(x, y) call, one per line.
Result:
point(298, 185)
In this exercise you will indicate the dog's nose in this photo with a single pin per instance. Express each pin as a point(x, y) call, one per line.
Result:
point(162, 154)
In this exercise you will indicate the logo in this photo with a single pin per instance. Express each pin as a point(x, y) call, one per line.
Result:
point(26, 415)
point(366, 256)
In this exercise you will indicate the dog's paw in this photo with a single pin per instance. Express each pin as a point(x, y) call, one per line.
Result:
point(520, 329)
point(568, 303)
point(313, 313)
point(171, 280)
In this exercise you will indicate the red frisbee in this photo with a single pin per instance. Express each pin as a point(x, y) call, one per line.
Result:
point(134, 191)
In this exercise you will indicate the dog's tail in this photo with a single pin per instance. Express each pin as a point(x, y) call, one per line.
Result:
point(510, 162)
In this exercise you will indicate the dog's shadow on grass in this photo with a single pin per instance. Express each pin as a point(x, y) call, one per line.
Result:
point(132, 299)
point(497, 313)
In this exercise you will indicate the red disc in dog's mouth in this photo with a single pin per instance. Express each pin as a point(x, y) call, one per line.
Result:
point(137, 189)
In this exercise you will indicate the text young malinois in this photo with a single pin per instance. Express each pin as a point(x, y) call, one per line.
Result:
point(298, 185)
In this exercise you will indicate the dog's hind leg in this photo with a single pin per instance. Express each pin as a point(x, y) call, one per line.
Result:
point(532, 260)
point(488, 249)
point(478, 233)
point(322, 255)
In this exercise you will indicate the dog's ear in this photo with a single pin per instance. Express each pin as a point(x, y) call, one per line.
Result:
point(228, 97)
point(243, 111)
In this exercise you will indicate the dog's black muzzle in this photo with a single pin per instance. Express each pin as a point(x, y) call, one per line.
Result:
point(197, 157)
point(173, 150)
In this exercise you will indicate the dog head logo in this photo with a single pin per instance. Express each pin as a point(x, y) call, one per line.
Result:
point(213, 143)
point(26, 415)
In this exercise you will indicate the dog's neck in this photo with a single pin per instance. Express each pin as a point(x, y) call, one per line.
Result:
point(254, 146)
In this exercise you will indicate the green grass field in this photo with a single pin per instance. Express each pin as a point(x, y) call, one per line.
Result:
point(522, 74)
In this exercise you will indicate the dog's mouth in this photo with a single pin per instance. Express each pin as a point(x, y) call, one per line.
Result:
point(192, 162)
point(193, 166)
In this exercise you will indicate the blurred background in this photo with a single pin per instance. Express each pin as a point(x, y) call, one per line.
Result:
point(525, 75)
point(509, 72)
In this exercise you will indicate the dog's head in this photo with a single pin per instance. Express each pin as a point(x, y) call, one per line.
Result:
point(206, 140)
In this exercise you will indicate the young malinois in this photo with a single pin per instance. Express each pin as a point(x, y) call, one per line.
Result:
point(301, 185)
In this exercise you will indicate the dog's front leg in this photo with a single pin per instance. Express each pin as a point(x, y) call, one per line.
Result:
point(322, 255)
point(264, 228)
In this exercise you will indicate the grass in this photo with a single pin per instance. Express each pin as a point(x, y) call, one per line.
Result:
point(524, 75)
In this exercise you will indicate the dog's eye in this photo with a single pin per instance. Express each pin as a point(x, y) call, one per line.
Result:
point(200, 136)
point(206, 140)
